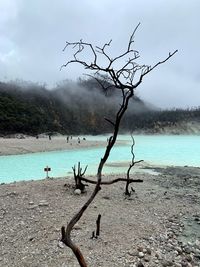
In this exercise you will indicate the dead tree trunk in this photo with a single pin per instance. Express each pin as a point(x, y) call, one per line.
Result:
point(97, 233)
point(123, 79)
point(78, 177)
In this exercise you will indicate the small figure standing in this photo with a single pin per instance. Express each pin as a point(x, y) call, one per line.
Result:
point(79, 140)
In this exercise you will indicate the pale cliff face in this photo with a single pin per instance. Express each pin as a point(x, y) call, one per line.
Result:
point(191, 127)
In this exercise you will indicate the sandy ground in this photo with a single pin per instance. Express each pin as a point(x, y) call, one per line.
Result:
point(159, 225)
point(11, 146)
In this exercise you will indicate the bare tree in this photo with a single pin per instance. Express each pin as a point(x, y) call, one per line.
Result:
point(126, 78)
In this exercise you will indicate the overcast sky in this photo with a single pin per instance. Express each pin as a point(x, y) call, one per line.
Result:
point(33, 34)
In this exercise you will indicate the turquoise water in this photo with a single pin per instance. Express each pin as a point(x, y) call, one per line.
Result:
point(155, 149)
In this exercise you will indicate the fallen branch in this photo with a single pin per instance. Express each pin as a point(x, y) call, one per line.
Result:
point(112, 181)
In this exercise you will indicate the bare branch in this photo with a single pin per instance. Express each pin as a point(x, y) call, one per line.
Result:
point(132, 37)
point(133, 162)
point(109, 121)
point(159, 63)
point(112, 181)
point(100, 81)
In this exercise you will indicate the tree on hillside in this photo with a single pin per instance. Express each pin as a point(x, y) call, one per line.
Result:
point(125, 77)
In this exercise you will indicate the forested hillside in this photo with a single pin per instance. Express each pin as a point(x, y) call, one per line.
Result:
point(77, 108)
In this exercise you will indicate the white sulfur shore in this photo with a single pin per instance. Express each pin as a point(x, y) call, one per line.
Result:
point(12, 146)
point(157, 226)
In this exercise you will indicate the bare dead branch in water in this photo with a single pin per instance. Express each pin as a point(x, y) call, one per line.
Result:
point(124, 79)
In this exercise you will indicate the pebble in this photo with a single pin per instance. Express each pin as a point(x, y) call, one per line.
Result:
point(140, 264)
point(77, 192)
point(166, 263)
point(43, 203)
point(147, 258)
point(32, 207)
point(178, 249)
point(77, 227)
point(61, 244)
point(140, 254)
point(148, 251)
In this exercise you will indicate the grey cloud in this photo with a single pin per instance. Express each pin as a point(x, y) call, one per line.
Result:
point(33, 33)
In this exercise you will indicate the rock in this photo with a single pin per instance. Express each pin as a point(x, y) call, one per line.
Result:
point(148, 251)
point(61, 244)
point(77, 192)
point(184, 264)
point(158, 255)
point(133, 252)
point(77, 227)
point(187, 250)
point(189, 244)
point(31, 238)
point(140, 254)
point(43, 203)
point(197, 243)
point(197, 254)
point(178, 249)
point(166, 263)
point(140, 264)
point(151, 239)
point(32, 207)
point(147, 258)
point(140, 248)
point(189, 258)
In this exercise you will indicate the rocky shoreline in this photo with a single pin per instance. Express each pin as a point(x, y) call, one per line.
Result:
point(159, 225)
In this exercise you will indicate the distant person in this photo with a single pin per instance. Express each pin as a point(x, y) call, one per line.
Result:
point(49, 137)
point(67, 139)
point(79, 140)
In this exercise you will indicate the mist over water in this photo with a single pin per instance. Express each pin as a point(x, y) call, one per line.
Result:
point(174, 150)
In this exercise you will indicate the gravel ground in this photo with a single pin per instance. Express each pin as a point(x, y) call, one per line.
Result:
point(159, 225)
